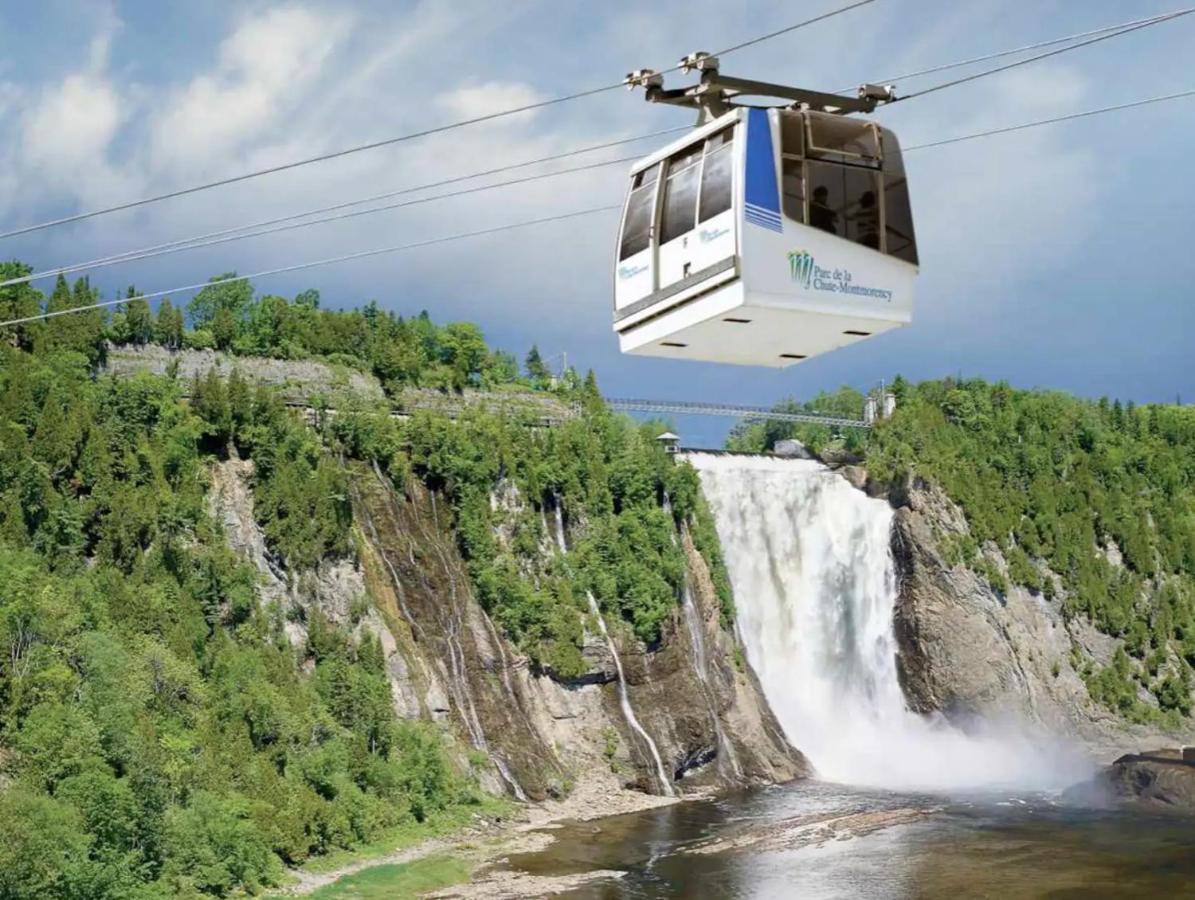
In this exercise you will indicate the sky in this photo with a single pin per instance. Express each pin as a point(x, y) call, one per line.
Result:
point(1059, 257)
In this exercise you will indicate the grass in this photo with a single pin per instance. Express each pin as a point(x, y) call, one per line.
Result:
point(411, 833)
point(397, 880)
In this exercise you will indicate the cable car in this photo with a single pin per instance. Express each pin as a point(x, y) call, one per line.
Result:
point(765, 236)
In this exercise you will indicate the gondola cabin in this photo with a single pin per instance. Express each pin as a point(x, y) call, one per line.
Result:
point(765, 237)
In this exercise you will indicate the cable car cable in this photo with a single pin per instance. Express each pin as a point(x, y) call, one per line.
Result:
point(772, 34)
point(339, 217)
point(1051, 121)
point(426, 132)
point(584, 212)
point(1002, 53)
point(362, 254)
point(1169, 17)
point(207, 239)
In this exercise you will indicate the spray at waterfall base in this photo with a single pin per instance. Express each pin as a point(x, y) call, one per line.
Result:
point(815, 589)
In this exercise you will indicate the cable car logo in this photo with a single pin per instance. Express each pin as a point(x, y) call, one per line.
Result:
point(625, 272)
point(800, 267)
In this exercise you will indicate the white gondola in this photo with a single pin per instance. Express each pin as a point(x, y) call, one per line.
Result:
point(765, 236)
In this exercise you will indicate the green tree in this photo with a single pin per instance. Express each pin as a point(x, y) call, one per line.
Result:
point(168, 330)
point(232, 296)
point(537, 370)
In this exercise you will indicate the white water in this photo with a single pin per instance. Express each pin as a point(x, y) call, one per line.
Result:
point(624, 700)
point(692, 617)
point(815, 588)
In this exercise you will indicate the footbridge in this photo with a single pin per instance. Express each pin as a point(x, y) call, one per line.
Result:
point(734, 410)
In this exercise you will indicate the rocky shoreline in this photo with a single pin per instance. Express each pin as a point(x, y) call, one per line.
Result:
point(1160, 779)
point(488, 842)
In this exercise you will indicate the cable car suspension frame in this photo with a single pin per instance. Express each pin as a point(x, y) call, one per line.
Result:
point(715, 94)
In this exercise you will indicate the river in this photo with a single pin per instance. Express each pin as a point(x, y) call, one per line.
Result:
point(944, 813)
point(818, 840)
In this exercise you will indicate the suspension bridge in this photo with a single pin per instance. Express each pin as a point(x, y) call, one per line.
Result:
point(733, 410)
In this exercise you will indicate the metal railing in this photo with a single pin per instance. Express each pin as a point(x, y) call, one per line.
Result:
point(686, 407)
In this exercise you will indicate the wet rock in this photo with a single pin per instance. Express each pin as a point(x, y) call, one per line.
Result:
point(855, 475)
point(791, 448)
point(1158, 778)
point(448, 663)
point(970, 652)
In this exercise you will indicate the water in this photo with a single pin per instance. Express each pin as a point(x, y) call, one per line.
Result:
point(815, 588)
point(987, 845)
point(624, 700)
point(692, 617)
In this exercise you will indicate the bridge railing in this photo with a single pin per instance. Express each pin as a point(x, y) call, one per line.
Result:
point(687, 407)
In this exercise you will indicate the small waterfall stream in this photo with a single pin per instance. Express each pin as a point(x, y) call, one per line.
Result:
point(692, 617)
point(624, 699)
point(815, 590)
point(451, 625)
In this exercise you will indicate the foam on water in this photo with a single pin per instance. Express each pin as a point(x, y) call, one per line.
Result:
point(815, 589)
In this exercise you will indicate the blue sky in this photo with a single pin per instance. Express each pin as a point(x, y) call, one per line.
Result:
point(1059, 257)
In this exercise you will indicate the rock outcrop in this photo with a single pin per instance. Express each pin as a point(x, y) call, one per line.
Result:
point(526, 733)
point(296, 380)
point(970, 652)
point(1163, 779)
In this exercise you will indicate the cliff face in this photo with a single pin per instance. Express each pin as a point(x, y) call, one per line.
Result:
point(967, 651)
point(295, 380)
point(524, 732)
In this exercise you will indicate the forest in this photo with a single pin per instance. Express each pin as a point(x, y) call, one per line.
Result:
point(159, 734)
point(1090, 503)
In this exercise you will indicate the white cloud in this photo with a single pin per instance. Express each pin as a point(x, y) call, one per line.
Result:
point(265, 67)
point(474, 100)
point(71, 123)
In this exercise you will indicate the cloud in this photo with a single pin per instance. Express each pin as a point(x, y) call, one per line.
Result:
point(475, 100)
point(265, 67)
point(71, 124)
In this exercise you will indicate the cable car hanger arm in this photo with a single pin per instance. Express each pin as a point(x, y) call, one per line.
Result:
point(715, 94)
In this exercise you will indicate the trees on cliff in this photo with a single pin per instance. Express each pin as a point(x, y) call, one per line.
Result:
point(158, 734)
point(1093, 499)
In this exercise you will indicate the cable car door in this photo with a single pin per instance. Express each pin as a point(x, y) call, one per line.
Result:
point(635, 274)
point(696, 218)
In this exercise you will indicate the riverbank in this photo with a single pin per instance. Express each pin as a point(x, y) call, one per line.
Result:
point(475, 845)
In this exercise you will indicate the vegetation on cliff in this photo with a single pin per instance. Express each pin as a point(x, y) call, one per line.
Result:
point(1089, 501)
point(159, 736)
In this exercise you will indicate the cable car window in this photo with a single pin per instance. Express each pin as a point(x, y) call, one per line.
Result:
point(845, 137)
point(636, 227)
point(792, 188)
point(717, 176)
point(680, 194)
point(845, 200)
point(792, 134)
point(899, 239)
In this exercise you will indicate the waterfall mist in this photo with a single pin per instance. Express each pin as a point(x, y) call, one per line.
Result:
point(815, 589)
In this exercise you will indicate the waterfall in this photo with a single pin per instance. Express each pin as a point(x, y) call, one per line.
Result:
point(624, 699)
point(815, 588)
point(451, 625)
point(692, 617)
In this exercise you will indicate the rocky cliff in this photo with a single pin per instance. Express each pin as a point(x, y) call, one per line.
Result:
point(969, 651)
point(524, 731)
point(296, 380)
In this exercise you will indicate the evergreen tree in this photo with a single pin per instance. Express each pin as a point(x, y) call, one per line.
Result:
point(169, 328)
point(537, 371)
point(139, 325)
point(17, 301)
